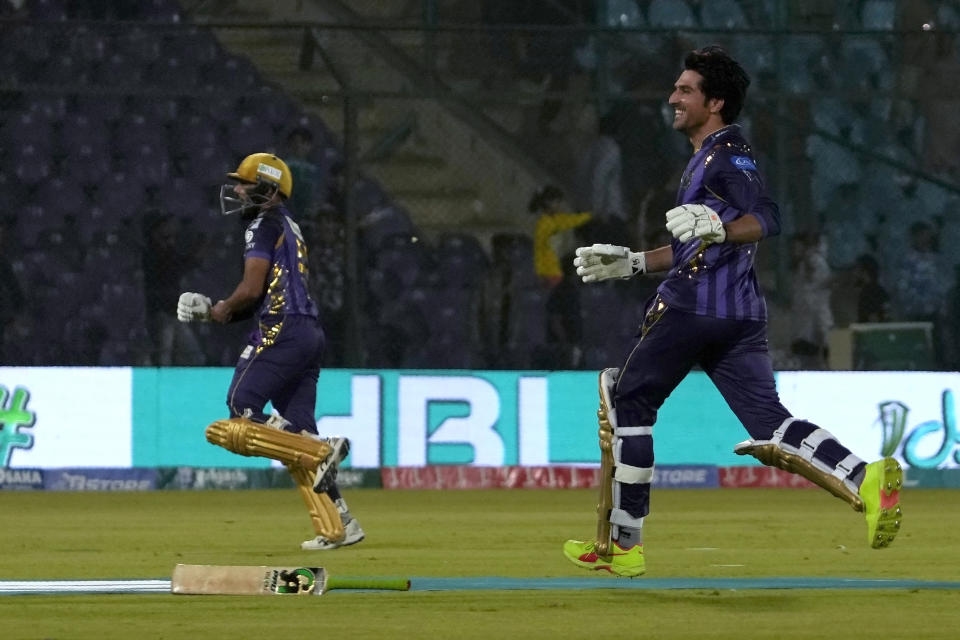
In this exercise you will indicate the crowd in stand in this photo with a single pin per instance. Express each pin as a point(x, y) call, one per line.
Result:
point(111, 204)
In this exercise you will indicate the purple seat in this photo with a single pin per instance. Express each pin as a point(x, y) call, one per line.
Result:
point(88, 166)
point(249, 134)
point(236, 71)
point(161, 111)
point(51, 108)
point(195, 43)
point(33, 165)
point(173, 71)
point(107, 109)
point(271, 106)
point(208, 166)
point(136, 130)
point(62, 195)
point(120, 195)
point(32, 221)
point(64, 69)
point(159, 10)
point(32, 43)
point(29, 128)
point(405, 261)
point(89, 45)
point(192, 132)
point(141, 45)
point(52, 10)
point(149, 164)
point(119, 69)
point(79, 130)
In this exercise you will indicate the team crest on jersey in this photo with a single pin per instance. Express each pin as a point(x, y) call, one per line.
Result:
point(744, 163)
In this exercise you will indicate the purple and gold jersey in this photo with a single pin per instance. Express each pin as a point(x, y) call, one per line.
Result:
point(719, 280)
point(274, 236)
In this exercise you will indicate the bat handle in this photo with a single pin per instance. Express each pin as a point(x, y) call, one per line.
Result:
point(384, 584)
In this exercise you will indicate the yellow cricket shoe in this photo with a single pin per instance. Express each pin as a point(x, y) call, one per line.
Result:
point(627, 563)
point(880, 492)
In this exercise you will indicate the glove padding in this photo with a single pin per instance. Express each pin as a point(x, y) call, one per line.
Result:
point(604, 261)
point(193, 307)
point(695, 221)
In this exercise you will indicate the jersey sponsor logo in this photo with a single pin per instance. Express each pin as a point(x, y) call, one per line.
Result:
point(267, 170)
point(744, 163)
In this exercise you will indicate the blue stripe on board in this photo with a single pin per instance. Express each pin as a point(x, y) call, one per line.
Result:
point(603, 582)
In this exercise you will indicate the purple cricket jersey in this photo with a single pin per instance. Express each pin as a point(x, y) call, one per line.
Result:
point(719, 280)
point(274, 236)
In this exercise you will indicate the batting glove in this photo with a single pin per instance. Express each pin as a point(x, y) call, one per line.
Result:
point(604, 261)
point(695, 221)
point(193, 307)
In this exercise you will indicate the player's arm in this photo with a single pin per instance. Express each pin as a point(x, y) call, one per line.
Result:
point(248, 292)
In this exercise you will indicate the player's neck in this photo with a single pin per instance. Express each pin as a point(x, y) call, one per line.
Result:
point(708, 128)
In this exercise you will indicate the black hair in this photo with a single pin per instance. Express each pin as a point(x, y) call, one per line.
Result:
point(723, 78)
point(542, 197)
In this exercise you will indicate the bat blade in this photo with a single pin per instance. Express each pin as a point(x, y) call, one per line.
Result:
point(205, 579)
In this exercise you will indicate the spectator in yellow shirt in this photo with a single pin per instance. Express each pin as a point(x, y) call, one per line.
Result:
point(551, 238)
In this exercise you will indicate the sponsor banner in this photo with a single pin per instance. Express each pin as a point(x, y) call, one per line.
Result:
point(65, 417)
point(932, 478)
point(685, 477)
point(100, 479)
point(424, 418)
point(908, 415)
point(550, 477)
point(20, 479)
point(245, 478)
point(762, 478)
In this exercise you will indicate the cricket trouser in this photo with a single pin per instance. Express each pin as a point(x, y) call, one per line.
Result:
point(283, 372)
point(669, 344)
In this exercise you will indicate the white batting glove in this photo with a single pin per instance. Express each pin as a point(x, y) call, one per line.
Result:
point(193, 307)
point(604, 261)
point(695, 221)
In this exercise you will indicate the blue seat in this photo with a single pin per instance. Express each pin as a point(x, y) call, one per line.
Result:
point(79, 130)
point(29, 128)
point(879, 14)
point(723, 14)
point(671, 14)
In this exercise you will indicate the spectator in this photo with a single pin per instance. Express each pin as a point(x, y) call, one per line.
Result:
point(599, 180)
point(810, 302)
point(873, 301)
point(306, 173)
point(551, 237)
point(166, 259)
point(11, 293)
point(919, 283)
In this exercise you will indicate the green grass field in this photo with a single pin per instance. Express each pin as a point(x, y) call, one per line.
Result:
point(694, 534)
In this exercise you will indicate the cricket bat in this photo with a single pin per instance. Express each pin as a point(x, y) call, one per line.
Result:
point(208, 579)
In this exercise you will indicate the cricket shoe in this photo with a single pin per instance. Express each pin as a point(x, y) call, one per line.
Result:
point(880, 492)
point(327, 469)
point(627, 563)
point(352, 535)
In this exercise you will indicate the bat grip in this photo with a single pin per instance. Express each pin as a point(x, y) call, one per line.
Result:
point(382, 584)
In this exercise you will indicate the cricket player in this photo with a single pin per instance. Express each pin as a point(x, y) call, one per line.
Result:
point(281, 362)
point(709, 311)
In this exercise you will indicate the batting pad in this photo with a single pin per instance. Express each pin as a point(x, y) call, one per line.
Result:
point(206, 579)
point(323, 513)
point(249, 438)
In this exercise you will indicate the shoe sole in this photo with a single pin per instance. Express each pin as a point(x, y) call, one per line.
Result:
point(883, 526)
point(305, 547)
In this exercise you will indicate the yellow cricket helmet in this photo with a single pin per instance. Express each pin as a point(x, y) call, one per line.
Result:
point(265, 167)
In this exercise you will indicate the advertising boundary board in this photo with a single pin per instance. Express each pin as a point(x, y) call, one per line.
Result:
point(120, 417)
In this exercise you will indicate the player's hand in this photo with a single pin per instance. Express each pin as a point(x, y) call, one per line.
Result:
point(695, 221)
point(193, 307)
point(604, 261)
